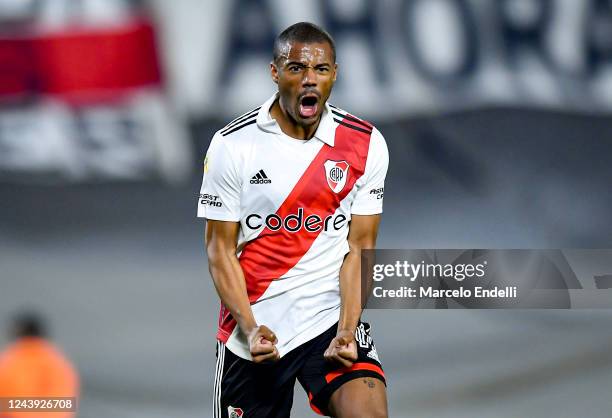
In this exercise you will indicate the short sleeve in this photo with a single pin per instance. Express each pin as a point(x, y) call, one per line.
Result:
point(369, 198)
point(219, 197)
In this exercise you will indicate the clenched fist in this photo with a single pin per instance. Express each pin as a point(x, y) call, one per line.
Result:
point(342, 349)
point(262, 344)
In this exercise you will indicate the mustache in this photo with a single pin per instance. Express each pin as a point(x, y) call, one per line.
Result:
point(309, 92)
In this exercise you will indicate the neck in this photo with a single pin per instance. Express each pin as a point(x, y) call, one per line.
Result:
point(289, 126)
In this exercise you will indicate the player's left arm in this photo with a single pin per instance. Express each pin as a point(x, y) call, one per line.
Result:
point(362, 236)
point(363, 230)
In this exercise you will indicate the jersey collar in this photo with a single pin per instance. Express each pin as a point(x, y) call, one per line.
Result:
point(325, 132)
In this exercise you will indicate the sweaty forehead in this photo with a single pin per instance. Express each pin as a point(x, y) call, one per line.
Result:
point(307, 53)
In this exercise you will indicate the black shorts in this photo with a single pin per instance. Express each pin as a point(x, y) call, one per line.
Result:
point(243, 388)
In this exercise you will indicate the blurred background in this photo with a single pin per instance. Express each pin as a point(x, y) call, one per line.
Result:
point(497, 117)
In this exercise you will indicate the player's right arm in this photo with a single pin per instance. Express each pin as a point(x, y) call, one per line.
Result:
point(219, 203)
point(221, 238)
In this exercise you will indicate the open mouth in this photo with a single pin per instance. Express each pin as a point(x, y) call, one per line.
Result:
point(308, 106)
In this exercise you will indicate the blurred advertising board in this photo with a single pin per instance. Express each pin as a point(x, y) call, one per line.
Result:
point(103, 89)
point(82, 95)
point(401, 57)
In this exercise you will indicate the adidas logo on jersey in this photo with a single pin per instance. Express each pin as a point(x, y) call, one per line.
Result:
point(260, 178)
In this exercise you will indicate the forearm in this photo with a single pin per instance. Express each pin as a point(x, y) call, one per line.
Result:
point(362, 236)
point(350, 291)
point(228, 279)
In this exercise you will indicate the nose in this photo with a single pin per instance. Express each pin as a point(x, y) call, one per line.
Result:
point(310, 77)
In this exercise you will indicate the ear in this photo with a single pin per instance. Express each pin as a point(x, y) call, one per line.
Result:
point(274, 72)
point(335, 72)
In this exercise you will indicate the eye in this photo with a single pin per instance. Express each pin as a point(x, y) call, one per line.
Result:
point(323, 70)
point(294, 68)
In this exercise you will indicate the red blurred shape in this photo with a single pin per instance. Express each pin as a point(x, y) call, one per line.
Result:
point(82, 63)
point(16, 67)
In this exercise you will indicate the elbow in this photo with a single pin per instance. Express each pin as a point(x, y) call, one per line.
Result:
point(358, 246)
point(217, 254)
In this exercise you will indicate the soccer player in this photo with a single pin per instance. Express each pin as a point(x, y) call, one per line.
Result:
point(292, 192)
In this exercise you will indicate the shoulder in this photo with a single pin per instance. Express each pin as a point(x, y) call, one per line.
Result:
point(240, 125)
point(235, 136)
point(349, 120)
point(345, 118)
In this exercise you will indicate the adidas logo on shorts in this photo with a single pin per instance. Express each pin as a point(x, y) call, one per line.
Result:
point(373, 354)
point(260, 178)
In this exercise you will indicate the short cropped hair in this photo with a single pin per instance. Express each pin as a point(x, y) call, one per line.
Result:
point(28, 324)
point(303, 32)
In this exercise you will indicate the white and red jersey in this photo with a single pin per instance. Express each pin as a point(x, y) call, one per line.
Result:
point(294, 200)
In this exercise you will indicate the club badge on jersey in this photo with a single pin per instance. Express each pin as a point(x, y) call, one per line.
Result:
point(336, 173)
point(235, 412)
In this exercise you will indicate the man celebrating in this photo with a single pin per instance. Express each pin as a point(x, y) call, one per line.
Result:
point(292, 192)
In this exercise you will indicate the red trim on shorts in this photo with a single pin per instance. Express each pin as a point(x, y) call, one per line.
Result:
point(312, 406)
point(357, 366)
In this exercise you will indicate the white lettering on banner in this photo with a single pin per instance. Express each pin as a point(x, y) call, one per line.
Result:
point(399, 56)
point(51, 143)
